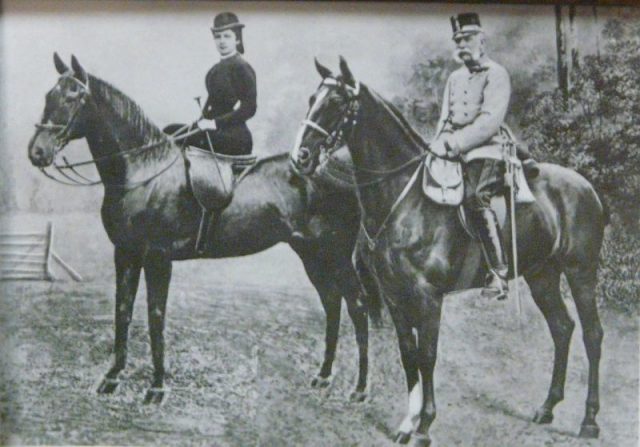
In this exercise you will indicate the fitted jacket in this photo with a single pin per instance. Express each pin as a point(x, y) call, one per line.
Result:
point(473, 110)
point(231, 85)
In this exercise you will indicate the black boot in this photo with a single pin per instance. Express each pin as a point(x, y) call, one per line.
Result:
point(487, 228)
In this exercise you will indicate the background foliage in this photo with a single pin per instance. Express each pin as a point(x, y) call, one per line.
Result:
point(593, 129)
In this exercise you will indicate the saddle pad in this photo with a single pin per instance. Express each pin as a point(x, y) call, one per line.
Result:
point(442, 181)
point(210, 177)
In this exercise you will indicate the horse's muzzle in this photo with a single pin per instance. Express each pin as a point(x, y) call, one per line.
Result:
point(38, 155)
point(303, 161)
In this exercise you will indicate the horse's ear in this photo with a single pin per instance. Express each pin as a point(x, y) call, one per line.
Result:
point(61, 67)
point(347, 77)
point(78, 71)
point(324, 71)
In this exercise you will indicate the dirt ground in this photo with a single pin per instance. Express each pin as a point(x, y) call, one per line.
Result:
point(244, 338)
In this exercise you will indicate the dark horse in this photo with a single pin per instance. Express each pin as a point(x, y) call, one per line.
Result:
point(152, 218)
point(419, 250)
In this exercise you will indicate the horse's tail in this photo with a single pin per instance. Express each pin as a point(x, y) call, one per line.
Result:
point(606, 209)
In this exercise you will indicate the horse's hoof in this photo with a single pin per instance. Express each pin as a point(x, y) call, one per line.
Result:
point(107, 386)
point(543, 416)
point(320, 382)
point(421, 440)
point(591, 431)
point(402, 438)
point(155, 396)
point(358, 396)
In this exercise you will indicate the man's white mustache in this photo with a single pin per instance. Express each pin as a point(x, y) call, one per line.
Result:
point(458, 53)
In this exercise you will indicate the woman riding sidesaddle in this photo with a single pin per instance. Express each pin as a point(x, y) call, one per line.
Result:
point(231, 88)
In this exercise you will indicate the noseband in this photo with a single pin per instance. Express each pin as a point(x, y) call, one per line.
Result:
point(336, 138)
point(63, 136)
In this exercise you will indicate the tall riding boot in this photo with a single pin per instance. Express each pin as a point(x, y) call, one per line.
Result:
point(489, 233)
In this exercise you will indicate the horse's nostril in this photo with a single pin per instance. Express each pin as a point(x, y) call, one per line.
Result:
point(304, 154)
point(38, 151)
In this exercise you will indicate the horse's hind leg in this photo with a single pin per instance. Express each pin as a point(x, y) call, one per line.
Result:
point(353, 295)
point(331, 299)
point(582, 281)
point(545, 289)
point(128, 268)
point(157, 271)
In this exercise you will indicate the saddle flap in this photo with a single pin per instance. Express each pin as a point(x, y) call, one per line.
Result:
point(211, 178)
point(442, 181)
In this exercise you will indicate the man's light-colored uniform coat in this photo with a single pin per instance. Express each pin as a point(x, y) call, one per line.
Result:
point(473, 110)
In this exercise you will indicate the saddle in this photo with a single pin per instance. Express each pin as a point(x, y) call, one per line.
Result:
point(213, 178)
point(442, 181)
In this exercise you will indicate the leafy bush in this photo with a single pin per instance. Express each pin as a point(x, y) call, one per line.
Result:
point(595, 129)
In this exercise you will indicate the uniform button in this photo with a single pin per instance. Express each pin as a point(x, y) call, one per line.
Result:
point(466, 114)
point(465, 92)
point(465, 103)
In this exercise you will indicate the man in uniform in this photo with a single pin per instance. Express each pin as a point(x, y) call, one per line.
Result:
point(475, 103)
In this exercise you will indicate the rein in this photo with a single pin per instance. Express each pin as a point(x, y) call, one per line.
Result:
point(336, 139)
point(62, 138)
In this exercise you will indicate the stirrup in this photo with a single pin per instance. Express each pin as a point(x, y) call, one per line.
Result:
point(496, 287)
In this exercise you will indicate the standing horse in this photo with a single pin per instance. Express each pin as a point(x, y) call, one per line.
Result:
point(419, 250)
point(152, 218)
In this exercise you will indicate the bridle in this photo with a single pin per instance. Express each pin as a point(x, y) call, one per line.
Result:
point(337, 138)
point(63, 137)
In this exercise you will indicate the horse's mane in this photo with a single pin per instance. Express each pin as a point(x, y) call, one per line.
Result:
point(409, 131)
point(125, 108)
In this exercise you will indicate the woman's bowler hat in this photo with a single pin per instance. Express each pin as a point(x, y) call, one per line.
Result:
point(226, 20)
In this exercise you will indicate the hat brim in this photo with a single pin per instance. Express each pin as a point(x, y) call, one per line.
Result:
point(226, 27)
point(467, 32)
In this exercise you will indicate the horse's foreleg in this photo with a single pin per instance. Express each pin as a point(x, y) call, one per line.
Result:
point(545, 289)
point(128, 268)
point(357, 311)
point(331, 302)
point(428, 331)
point(157, 270)
point(583, 285)
point(408, 355)
point(371, 291)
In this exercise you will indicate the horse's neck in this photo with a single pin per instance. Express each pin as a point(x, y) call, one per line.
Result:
point(119, 127)
point(380, 143)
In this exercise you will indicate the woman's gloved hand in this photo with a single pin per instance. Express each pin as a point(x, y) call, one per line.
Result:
point(205, 124)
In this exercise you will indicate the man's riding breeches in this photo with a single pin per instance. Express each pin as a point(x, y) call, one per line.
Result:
point(483, 179)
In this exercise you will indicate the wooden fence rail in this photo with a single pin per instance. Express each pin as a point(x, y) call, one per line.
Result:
point(28, 255)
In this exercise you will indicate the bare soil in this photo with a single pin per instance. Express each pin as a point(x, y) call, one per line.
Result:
point(244, 338)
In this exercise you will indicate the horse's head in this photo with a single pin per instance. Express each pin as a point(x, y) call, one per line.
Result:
point(333, 109)
point(64, 117)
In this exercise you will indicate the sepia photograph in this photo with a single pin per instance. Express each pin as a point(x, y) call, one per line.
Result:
point(279, 223)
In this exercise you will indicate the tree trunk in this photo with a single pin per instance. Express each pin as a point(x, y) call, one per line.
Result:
point(561, 47)
point(573, 43)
